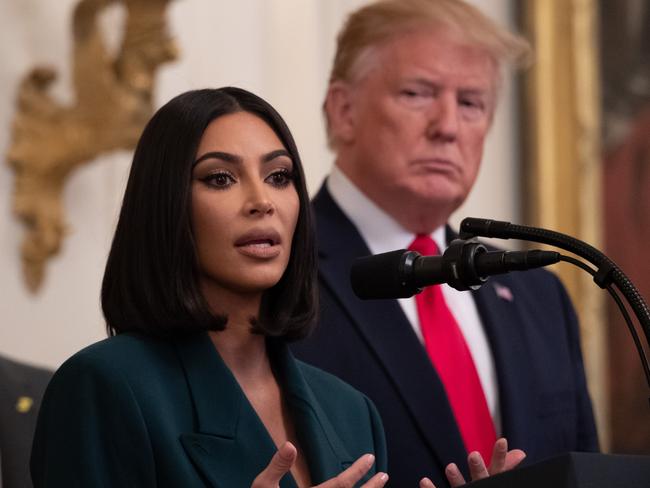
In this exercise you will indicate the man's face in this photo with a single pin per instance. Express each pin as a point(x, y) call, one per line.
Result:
point(418, 120)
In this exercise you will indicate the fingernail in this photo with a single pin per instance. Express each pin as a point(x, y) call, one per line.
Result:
point(286, 450)
point(383, 477)
point(474, 458)
point(451, 467)
point(370, 459)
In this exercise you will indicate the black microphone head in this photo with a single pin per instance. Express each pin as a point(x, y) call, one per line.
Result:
point(384, 275)
point(475, 227)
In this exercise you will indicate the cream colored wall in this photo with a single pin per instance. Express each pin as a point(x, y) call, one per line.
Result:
point(280, 49)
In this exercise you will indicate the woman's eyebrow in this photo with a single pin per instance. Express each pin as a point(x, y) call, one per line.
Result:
point(275, 154)
point(233, 158)
point(230, 158)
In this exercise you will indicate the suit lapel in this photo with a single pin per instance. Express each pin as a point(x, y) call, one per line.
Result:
point(230, 445)
point(502, 319)
point(325, 452)
point(387, 331)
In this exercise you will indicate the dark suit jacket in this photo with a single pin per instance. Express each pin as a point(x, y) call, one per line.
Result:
point(21, 389)
point(132, 411)
point(545, 407)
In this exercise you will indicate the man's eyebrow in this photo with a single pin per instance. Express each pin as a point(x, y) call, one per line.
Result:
point(421, 81)
point(474, 91)
point(230, 158)
point(434, 83)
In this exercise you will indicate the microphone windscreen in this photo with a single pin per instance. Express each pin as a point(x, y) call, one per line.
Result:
point(382, 276)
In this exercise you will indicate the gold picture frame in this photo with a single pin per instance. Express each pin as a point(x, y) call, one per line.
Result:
point(562, 154)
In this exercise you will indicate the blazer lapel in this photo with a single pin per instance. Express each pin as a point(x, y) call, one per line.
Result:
point(326, 455)
point(387, 331)
point(230, 445)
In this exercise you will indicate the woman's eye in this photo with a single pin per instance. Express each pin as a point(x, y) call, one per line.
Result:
point(219, 180)
point(280, 179)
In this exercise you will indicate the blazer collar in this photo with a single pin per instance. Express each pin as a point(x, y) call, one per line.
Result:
point(326, 453)
point(231, 445)
point(387, 332)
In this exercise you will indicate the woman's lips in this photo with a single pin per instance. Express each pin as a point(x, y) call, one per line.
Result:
point(259, 244)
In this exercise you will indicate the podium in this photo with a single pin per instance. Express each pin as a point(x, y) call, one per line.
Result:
point(576, 470)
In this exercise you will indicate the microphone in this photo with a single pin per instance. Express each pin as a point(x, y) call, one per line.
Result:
point(465, 265)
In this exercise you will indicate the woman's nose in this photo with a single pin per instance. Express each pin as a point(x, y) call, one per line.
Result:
point(259, 203)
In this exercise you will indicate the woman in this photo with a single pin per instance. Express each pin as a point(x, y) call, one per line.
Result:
point(211, 272)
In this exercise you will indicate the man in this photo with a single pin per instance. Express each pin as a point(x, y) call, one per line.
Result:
point(411, 98)
point(21, 389)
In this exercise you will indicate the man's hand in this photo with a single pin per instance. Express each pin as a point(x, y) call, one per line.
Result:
point(502, 460)
point(282, 461)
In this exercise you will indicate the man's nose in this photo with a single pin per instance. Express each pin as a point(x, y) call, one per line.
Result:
point(443, 120)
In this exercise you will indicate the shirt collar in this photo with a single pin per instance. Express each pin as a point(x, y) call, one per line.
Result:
point(379, 230)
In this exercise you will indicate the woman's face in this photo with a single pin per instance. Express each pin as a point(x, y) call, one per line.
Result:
point(244, 206)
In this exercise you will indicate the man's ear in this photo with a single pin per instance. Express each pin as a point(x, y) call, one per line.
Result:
point(339, 108)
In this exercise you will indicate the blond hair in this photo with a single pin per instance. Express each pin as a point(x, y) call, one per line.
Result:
point(382, 20)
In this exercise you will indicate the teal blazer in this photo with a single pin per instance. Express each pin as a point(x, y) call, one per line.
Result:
point(134, 411)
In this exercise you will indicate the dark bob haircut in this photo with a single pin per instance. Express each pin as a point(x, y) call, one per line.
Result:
point(151, 280)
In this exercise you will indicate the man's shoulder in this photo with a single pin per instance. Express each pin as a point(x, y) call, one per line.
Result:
point(19, 375)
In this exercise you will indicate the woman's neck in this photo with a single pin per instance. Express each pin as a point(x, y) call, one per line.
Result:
point(243, 351)
point(246, 356)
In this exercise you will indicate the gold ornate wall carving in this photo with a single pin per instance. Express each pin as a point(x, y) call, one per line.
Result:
point(562, 159)
point(113, 101)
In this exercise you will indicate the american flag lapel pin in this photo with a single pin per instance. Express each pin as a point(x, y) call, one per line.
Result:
point(503, 292)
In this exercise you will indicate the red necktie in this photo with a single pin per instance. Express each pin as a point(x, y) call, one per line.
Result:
point(450, 356)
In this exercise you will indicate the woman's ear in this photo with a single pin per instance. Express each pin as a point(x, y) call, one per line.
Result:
point(339, 110)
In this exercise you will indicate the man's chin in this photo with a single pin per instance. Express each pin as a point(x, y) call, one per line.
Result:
point(438, 197)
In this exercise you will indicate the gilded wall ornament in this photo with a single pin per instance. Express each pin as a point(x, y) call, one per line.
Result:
point(113, 101)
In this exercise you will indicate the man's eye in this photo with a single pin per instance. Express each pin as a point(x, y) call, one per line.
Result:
point(472, 104)
point(410, 93)
point(416, 98)
point(280, 179)
point(219, 180)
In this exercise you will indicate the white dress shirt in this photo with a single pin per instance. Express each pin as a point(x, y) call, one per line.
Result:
point(382, 234)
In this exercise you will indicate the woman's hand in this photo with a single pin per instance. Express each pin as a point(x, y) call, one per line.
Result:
point(282, 461)
point(502, 460)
